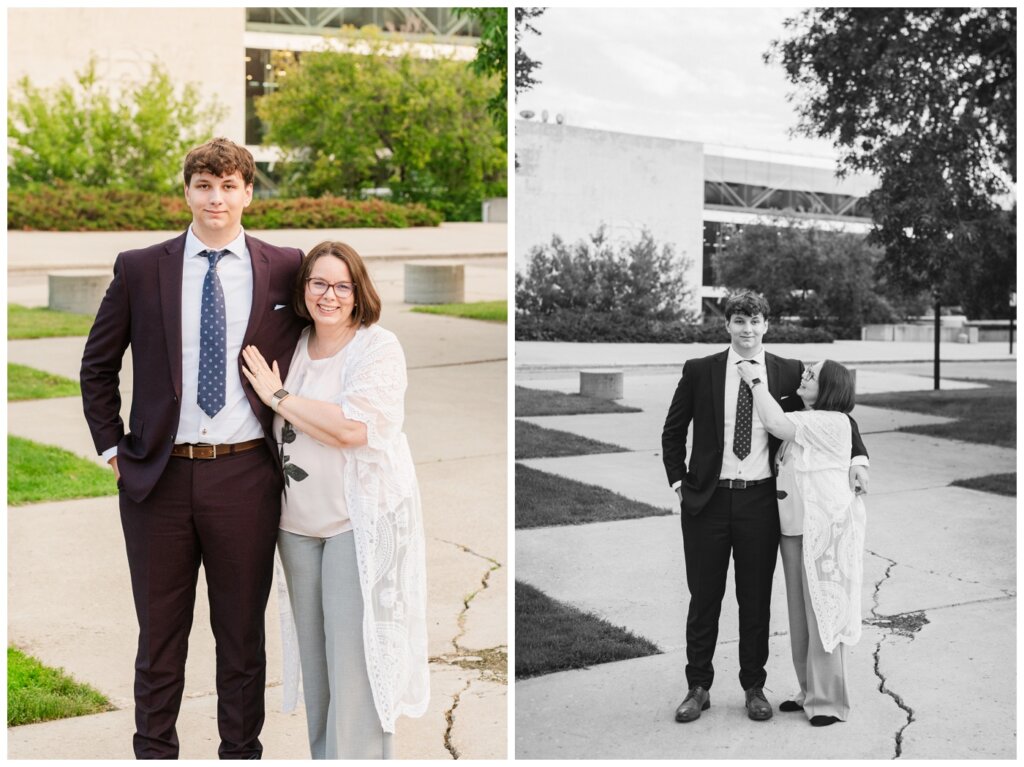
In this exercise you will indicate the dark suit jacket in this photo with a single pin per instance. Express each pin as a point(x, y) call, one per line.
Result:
point(142, 307)
point(700, 400)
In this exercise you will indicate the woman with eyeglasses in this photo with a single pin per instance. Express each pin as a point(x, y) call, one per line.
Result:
point(351, 535)
point(822, 522)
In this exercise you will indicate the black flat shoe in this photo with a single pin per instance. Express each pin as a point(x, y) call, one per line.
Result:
point(789, 706)
point(824, 721)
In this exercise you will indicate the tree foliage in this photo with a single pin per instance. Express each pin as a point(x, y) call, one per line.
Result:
point(925, 99)
point(525, 66)
point(492, 56)
point(347, 122)
point(825, 278)
point(83, 133)
point(635, 280)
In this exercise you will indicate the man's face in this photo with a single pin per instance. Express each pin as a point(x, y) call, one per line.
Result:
point(746, 333)
point(217, 203)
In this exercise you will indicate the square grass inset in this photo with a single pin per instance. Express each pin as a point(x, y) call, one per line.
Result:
point(554, 636)
point(491, 311)
point(40, 322)
point(25, 383)
point(531, 402)
point(37, 473)
point(987, 416)
point(545, 500)
point(38, 693)
point(1000, 484)
point(534, 441)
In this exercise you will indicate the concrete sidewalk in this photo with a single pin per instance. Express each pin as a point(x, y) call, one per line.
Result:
point(939, 595)
point(69, 599)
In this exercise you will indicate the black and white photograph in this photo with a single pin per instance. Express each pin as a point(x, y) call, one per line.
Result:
point(765, 383)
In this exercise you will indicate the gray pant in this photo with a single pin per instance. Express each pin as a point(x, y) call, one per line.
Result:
point(323, 585)
point(822, 675)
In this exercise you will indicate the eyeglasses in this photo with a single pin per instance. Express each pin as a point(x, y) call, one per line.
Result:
point(319, 287)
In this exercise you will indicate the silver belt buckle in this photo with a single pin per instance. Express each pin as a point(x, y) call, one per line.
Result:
point(739, 484)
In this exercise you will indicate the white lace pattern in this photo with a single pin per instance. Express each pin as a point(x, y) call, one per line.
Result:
point(834, 524)
point(383, 501)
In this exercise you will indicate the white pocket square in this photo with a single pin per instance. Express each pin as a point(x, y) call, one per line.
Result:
point(279, 306)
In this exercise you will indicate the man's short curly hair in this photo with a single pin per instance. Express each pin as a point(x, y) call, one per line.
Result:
point(220, 157)
point(746, 303)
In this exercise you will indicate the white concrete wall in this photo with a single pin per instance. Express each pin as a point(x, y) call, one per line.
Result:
point(571, 180)
point(204, 46)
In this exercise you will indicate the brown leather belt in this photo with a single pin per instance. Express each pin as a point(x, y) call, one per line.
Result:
point(209, 452)
point(742, 484)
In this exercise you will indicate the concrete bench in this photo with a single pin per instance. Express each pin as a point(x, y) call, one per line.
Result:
point(435, 282)
point(77, 290)
point(604, 384)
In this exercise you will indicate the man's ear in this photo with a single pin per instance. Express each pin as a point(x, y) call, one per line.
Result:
point(248, 194)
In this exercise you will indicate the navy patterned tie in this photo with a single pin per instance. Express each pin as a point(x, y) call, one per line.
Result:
point(213, 336)
point(744, 413)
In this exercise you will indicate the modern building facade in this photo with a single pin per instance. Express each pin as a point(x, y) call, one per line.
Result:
point(233, 55)
point(572, 180)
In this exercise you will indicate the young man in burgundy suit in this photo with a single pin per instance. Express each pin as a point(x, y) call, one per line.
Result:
point(727, 494)
point(197, 470)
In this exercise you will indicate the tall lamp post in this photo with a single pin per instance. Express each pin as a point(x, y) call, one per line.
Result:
point(1013, 314)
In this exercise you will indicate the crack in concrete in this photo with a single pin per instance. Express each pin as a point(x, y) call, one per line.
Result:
point(449, 716)
point(458, 364)
point(480, 661)
point(877, 654)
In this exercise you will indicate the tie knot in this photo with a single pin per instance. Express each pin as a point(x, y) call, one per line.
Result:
point(214, 256)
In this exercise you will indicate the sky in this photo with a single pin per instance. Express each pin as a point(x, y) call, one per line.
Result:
point(685, 73)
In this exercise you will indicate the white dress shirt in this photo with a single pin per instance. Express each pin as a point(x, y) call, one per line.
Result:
point(755, 465)
point(235, 422)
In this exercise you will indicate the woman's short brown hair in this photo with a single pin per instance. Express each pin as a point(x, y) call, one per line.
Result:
point(836, 388)
point(367, 303)
point(220, 157)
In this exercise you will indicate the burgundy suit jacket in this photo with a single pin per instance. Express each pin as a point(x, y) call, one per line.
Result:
point(142, 308)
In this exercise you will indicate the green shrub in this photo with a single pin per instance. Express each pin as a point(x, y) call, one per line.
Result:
point(637, 282)
point(62, 207)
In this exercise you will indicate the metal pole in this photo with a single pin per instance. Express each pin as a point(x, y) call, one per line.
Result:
point(937, 327)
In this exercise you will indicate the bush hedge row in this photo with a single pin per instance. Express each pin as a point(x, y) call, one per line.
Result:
point(62, 207)
point(616, 328)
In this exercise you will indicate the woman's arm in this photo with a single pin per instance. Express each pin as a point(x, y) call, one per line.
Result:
point(768, 410)
point(323, 421)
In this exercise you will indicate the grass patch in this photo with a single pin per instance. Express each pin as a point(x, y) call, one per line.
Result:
point(38, 693)
point(531, 402)
point(493, 311)
point(553, 636)
point(1000, 484)
point(544, 500)
point(25, 383)
point(37, 473)
point(40, 322)
point(534, 441)
point(986, 416)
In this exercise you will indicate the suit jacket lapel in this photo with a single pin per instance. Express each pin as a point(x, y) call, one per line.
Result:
point(718, 364)
point(260, 286)
point(169, 275)
point(771, 362)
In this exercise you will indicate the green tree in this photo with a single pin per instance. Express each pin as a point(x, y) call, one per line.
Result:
point(82, 133)
point(492, 56)
point(925, 98)
point(350, 122)
point(826, 278)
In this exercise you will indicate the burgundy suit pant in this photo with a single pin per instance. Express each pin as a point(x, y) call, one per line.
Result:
point(223, 514)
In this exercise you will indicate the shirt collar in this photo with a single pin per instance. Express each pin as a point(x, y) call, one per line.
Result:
point(194, 246)
point(734, 358)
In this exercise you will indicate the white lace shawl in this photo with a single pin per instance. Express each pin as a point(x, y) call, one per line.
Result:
point(383, 502)
point(834, 523)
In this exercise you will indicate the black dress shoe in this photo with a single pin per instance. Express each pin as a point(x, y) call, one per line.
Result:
point(697, 699)
point(790, 706)
point(824, 721)
point(758, 707)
